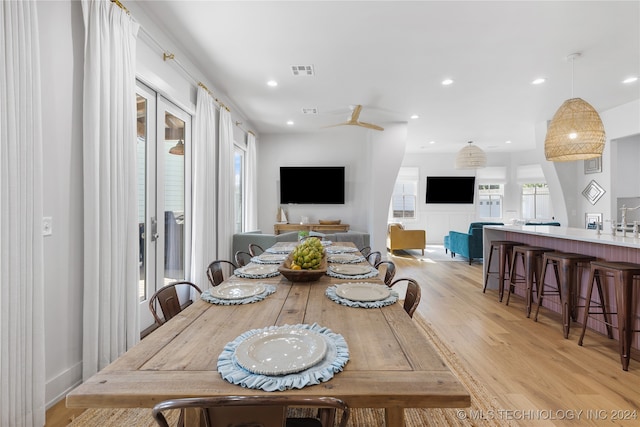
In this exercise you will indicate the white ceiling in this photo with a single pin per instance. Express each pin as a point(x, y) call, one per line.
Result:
point(391, 56)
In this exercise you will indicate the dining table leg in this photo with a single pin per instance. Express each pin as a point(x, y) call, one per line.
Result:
point(394, 417)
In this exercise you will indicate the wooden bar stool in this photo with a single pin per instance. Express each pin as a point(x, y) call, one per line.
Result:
point(623, 274)
point(532, 262)
point(505, 250)
point(566, 267)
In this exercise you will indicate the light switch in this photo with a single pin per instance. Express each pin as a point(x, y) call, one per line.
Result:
point(47, 226)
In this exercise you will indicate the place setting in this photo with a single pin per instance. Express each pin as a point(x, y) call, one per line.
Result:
point(362, 294)
point(236, 293)
point(352, 271)
point(339, 249)
point(279, 358)
point(268, 258)
point(257, 271)
point(345, 258)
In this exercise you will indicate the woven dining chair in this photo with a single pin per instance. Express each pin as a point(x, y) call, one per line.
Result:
point(389, 272)
point(216, 271)
point(413, 295)
point(234, 411)
point(167, 300)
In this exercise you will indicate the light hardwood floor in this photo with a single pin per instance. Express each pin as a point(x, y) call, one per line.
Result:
point(537, 377)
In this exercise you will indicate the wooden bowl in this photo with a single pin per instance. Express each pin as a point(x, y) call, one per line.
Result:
point(330, 221)
point(303, 275)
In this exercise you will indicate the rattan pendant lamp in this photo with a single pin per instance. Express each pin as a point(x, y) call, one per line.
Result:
point(576, 131)
point(471, 157)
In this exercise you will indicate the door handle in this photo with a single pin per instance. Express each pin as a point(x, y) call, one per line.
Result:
point(154, 229)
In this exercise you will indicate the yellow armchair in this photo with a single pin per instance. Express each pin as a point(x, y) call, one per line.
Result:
point(399, 238)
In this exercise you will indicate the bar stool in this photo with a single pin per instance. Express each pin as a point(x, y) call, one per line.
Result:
point(623, 274)
point(505, 249)
point(566, 267)
point(532, 262)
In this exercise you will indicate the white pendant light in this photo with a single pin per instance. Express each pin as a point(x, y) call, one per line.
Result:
point(471, 157)
point(576, 131)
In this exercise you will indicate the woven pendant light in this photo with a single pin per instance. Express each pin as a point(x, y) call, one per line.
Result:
point(575, 132)
point(471, 157)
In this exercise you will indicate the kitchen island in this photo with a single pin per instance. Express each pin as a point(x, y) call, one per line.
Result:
point(604, 245)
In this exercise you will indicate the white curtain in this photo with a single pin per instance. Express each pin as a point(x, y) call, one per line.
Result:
point(225, 186)
point(111, 271)
point(22, 375)
point(204, 188)
point(251, 200)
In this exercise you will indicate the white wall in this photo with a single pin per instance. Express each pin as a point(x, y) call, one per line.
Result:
point(62, 61)
point(371, 159)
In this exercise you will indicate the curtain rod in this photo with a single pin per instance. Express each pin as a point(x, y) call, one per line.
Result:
point(171, 56)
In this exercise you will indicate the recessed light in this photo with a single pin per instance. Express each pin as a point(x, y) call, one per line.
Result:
point(447, 82)
point(630, 79)
point(432, 142)
point(538, 81)
point(415, 116)
point(272, 83)
point(290, 122)
point(507, 142)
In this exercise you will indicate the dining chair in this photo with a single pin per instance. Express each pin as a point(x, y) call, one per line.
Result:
point(167, 299)
point(215, 271)
point(365, 251)
point(412, 297)
point(242, 258)
point(255, 249)
point(374, 257)
point(390, 271)
point(235, 411)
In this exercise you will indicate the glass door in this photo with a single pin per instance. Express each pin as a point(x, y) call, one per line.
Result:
point(164, 135)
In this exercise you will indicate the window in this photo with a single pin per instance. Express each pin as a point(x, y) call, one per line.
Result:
point(403, 200)
point(490, 201)
point(405, 194)
point(239, 183)
point(536, 202)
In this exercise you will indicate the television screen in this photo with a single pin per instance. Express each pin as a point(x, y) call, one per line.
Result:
point(312, 185)
point(450, 189)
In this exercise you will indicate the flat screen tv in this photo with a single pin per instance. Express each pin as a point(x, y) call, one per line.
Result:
point(322, 185)
point(450, 189)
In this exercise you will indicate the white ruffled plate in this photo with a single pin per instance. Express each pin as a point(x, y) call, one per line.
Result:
point(350, 270)
point(337, 249)
point(281, 351)
point(363, 291)
point(267, 258)
point(237, 290)
point(345, 258)
point(257, 271)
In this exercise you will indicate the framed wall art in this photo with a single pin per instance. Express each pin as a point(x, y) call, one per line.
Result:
point(593, 165)
point(593, 192)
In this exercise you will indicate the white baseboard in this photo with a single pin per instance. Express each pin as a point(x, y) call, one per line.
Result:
point(57, 388)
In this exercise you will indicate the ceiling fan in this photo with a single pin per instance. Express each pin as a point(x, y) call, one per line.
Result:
point(353, 120)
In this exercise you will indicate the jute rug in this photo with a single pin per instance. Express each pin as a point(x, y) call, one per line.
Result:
point(479, 414)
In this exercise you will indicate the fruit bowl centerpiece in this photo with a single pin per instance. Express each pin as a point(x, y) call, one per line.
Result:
point(306, 263)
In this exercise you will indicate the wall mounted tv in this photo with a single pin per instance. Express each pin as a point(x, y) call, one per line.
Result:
point(450, 189)
point(322, 185)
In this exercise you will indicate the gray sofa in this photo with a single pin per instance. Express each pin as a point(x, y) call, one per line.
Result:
point(241, 240)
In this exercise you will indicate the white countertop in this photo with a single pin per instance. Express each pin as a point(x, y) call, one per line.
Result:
point(570, 233)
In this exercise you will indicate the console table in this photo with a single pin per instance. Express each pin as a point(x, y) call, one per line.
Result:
point(320, 228)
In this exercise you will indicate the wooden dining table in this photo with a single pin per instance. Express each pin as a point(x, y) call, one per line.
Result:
point(391, 364)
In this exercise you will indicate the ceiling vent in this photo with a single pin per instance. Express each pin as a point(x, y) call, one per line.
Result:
point(302, 70)
point(311, 110)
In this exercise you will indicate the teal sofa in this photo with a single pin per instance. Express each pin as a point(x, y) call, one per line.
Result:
point(469, 244)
